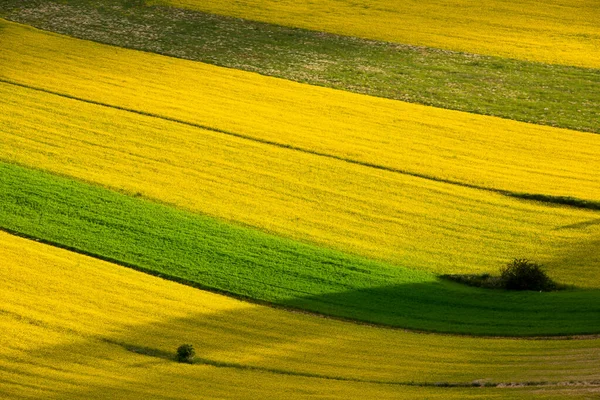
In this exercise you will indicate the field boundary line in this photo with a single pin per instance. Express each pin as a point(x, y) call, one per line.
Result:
point(151, 352)
point(538, 197)
point(196, 285)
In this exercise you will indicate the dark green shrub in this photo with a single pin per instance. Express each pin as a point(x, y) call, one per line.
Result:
point(186, 353)
point(522, 274)
point(519, 274)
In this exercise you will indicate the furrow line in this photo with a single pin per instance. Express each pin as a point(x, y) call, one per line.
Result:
point(157, 353)
point(543, 198)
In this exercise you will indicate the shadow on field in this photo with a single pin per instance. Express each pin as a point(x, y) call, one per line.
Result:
point(255, 342)
point(252, 342)
point(449, 307)
point(582, 258)
point(579, 225)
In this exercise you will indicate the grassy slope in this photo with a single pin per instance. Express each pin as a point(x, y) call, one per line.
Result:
point(556, 32)
point(426, 141)
point(68, 318)
point(410, 221)
point(566, 97)
point(237, 260)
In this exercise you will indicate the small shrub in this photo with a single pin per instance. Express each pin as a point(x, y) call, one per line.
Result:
point(186, 353)
point(519, 274)
point(522, 274)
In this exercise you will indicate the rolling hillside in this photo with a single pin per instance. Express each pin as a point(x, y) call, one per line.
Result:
point(463, 148)
point(88, 329)
point(207, 253)
point(410, 221)
point(553, 95)
point(283, 185)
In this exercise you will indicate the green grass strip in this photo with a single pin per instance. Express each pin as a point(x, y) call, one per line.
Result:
point(207, 253)
point(561, 96)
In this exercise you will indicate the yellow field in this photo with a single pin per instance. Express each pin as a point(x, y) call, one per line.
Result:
point(462, 147)
point(410, 221)
point(76, 327)
point(552, 31)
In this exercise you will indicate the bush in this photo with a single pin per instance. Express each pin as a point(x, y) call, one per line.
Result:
point(522, 274)
point(186, 353)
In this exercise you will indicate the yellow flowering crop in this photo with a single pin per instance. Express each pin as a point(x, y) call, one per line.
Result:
point(555, 31)
point(456, 146)
point(410, 221)
point(76, 327)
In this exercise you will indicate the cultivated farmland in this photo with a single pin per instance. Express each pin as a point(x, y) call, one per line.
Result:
point(88, 328)
point(203, 252)
point(554, 95)
point(294, 234)
point(439, 144)
point(409, 221)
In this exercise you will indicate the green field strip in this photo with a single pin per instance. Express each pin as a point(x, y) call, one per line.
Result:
point(203, 251)
point(554, 95)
